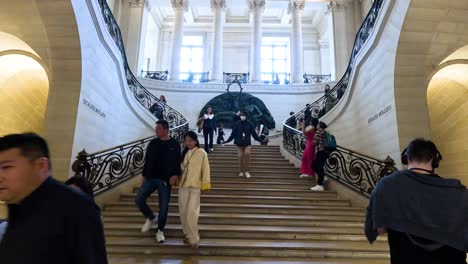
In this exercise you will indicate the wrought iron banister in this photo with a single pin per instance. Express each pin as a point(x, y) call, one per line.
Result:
point(155, 75)
point(316, 78)
point(108, 168)
point(325, 103)
point(236, 77)
point(355, 170)
point(143, 96)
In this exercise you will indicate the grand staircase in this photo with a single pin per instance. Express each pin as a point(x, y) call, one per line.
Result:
point(271, 218)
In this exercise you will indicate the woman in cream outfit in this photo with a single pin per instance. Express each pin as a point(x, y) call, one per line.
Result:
point(194, 179)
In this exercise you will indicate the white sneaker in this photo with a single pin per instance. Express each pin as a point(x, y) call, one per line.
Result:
point(211, 150)
point(148, 224)
point(160, 236)
point(247, 175)
point(241, 174)
point(303, 175)
point(317, 188)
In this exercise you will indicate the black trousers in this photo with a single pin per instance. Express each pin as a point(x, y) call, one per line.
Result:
point(319, 164)
point(208, 135)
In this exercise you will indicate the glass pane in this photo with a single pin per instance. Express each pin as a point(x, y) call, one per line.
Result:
point(184, 65)
point(266, 77)
point(197, 55)
point(280, 52)
point(267, 66)
point(185, 54)
point(193, 41)
point(183, 76)
point(279, 66)
point(266, 52)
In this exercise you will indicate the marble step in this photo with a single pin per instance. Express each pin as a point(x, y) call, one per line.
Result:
point(250, 208)
point(247, 219)
point(234, 177)
point(290, 173)
point(252, 248)
point(260, 184)
point(246, 232)
point(139, 259)
point(263, 192)
point(247, 199)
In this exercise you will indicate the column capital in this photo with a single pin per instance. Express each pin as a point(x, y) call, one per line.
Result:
point(256, 4)
point(336, 5)
point(296, 6)
point(180, 4)
point(138, 3)
point(218, 4)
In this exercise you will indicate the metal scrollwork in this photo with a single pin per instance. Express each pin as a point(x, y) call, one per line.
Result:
point(357, 171)
point(109, 168)
point(324, 104)
point(143, 96)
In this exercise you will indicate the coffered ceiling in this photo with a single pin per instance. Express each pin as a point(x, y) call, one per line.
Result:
point(237, 12)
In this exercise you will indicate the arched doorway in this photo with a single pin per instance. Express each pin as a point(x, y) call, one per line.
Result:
point(24, 87)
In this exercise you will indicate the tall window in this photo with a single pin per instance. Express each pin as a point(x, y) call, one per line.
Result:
point(275, 60)
point(191, 57)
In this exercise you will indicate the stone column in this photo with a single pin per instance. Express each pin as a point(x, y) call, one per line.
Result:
point(179, 6)
point(338, 42)
point(256, 9)
point(134, 28)
point(297, 61)
point(218, 7)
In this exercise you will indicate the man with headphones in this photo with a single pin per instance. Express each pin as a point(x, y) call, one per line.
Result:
point(425, 215)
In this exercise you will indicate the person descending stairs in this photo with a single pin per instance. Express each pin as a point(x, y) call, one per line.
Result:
point(271, 218)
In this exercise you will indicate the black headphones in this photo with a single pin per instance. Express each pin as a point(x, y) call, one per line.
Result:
point(435, 161)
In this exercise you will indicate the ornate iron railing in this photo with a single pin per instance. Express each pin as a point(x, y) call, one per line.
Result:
point(235, 77)
point(316, 78)
point(143, 96)
point(155, 75)
point(330, 99)
point(108, 168)
point(357, 171)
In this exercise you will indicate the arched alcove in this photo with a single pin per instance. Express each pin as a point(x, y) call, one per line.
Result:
point(24, 87)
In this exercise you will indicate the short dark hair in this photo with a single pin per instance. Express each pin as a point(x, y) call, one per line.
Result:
point(291, 113)
point(82, 183)
point(163, 123)
point(421, 150)
point(322, 125)
point(244, 113)
point(31, 145)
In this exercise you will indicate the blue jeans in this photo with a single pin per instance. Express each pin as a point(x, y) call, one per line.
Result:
point(164, 194)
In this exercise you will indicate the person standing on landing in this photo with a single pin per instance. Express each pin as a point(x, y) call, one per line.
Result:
point(209, 128)
point(160, 172)
point(194, 179)
point(241, 133)
point(309, 152)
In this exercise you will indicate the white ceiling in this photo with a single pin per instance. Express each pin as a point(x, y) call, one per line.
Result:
point(237, 12)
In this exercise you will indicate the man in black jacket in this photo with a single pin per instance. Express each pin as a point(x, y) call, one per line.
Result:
point(425, 216)
point(48, 222)
point(241, 133)
point(160, 172)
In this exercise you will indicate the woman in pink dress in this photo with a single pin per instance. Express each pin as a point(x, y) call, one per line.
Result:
point(309, 152)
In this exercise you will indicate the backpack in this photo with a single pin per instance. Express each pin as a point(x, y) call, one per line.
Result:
point(329, 141)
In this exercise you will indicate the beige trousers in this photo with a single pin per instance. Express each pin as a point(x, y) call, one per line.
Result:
point(189, 210)
point(244, 159)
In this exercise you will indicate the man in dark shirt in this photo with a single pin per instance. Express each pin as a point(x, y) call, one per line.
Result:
point(241, 133)
point(161, 170)
point(424, 215)
point(48, 221)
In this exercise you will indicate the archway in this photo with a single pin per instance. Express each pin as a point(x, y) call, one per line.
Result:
point(24, 87)
point(447, 100)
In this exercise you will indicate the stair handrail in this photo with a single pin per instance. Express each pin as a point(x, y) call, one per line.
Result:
point(357, 171)
point(108, 168)
point(105, 169)
point(325, 103)
point(141, 94)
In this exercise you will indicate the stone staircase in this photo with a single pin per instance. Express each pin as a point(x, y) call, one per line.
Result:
point(271, 218)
